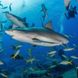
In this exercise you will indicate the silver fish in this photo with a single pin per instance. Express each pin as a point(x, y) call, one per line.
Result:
point(69, 49)
point(74, 57)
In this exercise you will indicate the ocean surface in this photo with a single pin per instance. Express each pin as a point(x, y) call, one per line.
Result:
point(34, 61)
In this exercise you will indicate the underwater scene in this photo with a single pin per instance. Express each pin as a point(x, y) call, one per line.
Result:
point(38, 38)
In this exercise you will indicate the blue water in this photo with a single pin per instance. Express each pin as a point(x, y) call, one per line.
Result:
point(31, 12)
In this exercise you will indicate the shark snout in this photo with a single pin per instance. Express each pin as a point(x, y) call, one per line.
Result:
point(64, 41)
point(9, 32)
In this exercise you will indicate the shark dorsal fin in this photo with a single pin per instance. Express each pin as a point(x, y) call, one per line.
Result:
point(49, 25)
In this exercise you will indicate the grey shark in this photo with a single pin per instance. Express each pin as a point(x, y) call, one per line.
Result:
point(38, 36)
point(16, 20)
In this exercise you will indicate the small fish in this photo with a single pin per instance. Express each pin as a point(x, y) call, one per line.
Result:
point(1, 26)
point(62, 54)
point(74, 57)
point(64, 57)
point(31, 60)
point(68, 36)
point(69, 49)
point(52, 53)
point(36, 71)
point(10, 7)
point(4, 75)
point(66, 63)
point(44, 10)
point(52, 66)
point(16, 55)
point(1, 4)
point(39, 72)
point(4, 7)
point(31, 69)
point(30, 52)
point(16, 47)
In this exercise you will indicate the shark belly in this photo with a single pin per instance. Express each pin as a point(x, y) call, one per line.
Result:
point(41, 41)
point(35, 37)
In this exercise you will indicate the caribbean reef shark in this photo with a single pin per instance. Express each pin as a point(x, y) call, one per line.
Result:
point(17, 21)
point(45, 36)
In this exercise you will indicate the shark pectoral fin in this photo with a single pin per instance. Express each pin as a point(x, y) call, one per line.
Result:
point(36, 40)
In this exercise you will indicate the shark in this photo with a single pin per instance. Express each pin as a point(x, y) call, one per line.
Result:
point(17, 21)
point(44, 36)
